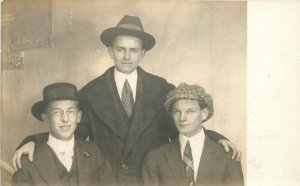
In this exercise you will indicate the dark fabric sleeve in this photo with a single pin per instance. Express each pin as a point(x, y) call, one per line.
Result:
point(214, 135)
point(22, 176)
point(83, 130)
point(234, 174)
point(36, 138)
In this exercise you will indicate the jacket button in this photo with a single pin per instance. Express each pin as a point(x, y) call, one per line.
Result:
point(125, 168)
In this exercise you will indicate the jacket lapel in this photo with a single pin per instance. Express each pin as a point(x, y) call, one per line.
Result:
point(82, 158)
point(105, 102)
point(207, 162)
point(146, 107)
point(173, 156)
point(44, 163)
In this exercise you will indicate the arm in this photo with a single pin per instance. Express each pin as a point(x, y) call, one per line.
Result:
point(214, 135)
point(234, 174)
point(27, 147)
point(22, 176)
point(222, 140)
point(36, 138)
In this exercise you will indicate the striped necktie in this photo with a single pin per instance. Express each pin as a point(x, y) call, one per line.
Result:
point(127, 99)
point(188, 164)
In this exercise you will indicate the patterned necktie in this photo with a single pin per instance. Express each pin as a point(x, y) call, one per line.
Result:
point(188, 164)
point(127, 98)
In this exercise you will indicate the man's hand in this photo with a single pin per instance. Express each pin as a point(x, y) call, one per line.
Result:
point(28, 148)
point(237, 154)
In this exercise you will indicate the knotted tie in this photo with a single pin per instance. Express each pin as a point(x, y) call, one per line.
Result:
point(188, 164)
point(127, 98)
point(66, 158)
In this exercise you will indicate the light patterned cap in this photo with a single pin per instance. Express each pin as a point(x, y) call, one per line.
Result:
point(193, 92)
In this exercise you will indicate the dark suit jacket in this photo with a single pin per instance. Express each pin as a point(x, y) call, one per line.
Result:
point(93, 168)
point(125, 142)
point(163, 166)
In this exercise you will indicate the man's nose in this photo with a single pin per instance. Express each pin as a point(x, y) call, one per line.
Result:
point(64, 117)
point(182, 116)
point(127, 55)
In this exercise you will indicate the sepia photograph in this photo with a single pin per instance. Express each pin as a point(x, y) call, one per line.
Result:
point(123, 92)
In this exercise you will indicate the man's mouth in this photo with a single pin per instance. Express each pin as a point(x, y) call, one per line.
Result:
point(126, 63)
point(65, 127)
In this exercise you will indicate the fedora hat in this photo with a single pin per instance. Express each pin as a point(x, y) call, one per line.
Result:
point(57, 91)
point(129, 25)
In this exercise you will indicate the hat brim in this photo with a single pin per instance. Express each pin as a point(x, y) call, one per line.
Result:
point(107, 36)
point(38, 108)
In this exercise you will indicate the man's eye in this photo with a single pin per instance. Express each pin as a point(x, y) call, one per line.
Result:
point(175, 111)
point(118, 49)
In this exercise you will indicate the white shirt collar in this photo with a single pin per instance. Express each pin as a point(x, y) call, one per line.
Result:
point(120, 79)
point(197, 143)
point(59, 145)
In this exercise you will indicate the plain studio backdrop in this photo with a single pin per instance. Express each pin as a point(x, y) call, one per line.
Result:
point(196, 42)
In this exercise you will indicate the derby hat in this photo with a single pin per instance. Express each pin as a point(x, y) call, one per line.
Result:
point(193, 92)
point(129, 25)
point(54, 92)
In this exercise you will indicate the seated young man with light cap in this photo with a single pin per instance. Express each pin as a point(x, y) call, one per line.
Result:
point(63, 160)
point(193, 158)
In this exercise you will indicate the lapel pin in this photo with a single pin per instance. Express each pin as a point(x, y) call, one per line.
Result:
point(86, 154)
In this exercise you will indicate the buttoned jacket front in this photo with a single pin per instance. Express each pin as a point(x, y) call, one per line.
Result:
point(126, 141)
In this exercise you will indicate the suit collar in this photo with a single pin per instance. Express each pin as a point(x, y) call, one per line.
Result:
point(208, 160)
point(174, 159)
point(145, 108)
point(173, 156)
point(82, 155)
point(105, 102)
point(107, 105)
point(44, 163)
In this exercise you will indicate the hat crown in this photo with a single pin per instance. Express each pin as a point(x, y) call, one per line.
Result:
point(131, 22)
point(60, 91)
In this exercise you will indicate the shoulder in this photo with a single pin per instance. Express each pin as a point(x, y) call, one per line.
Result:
point(218, 150)
point(155, 80)
point(161, 150)
point(97, 81)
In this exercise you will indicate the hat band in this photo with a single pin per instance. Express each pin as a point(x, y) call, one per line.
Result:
point(130, 26)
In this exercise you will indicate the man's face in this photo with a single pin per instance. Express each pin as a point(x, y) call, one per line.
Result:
point(188, 116)
point(62, 117)
point(127, 53)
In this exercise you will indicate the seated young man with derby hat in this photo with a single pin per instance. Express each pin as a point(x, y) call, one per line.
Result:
point(193, 158)
point(62, 159)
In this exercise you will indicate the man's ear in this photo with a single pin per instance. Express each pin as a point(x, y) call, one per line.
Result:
point(110, 52)
point(204, 113)
point(44, 117)
point(79, 114)
point(143, 52)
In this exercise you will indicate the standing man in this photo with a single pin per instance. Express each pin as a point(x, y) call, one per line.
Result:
point(63, 160)
point(193, 158)
point(127, 117)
